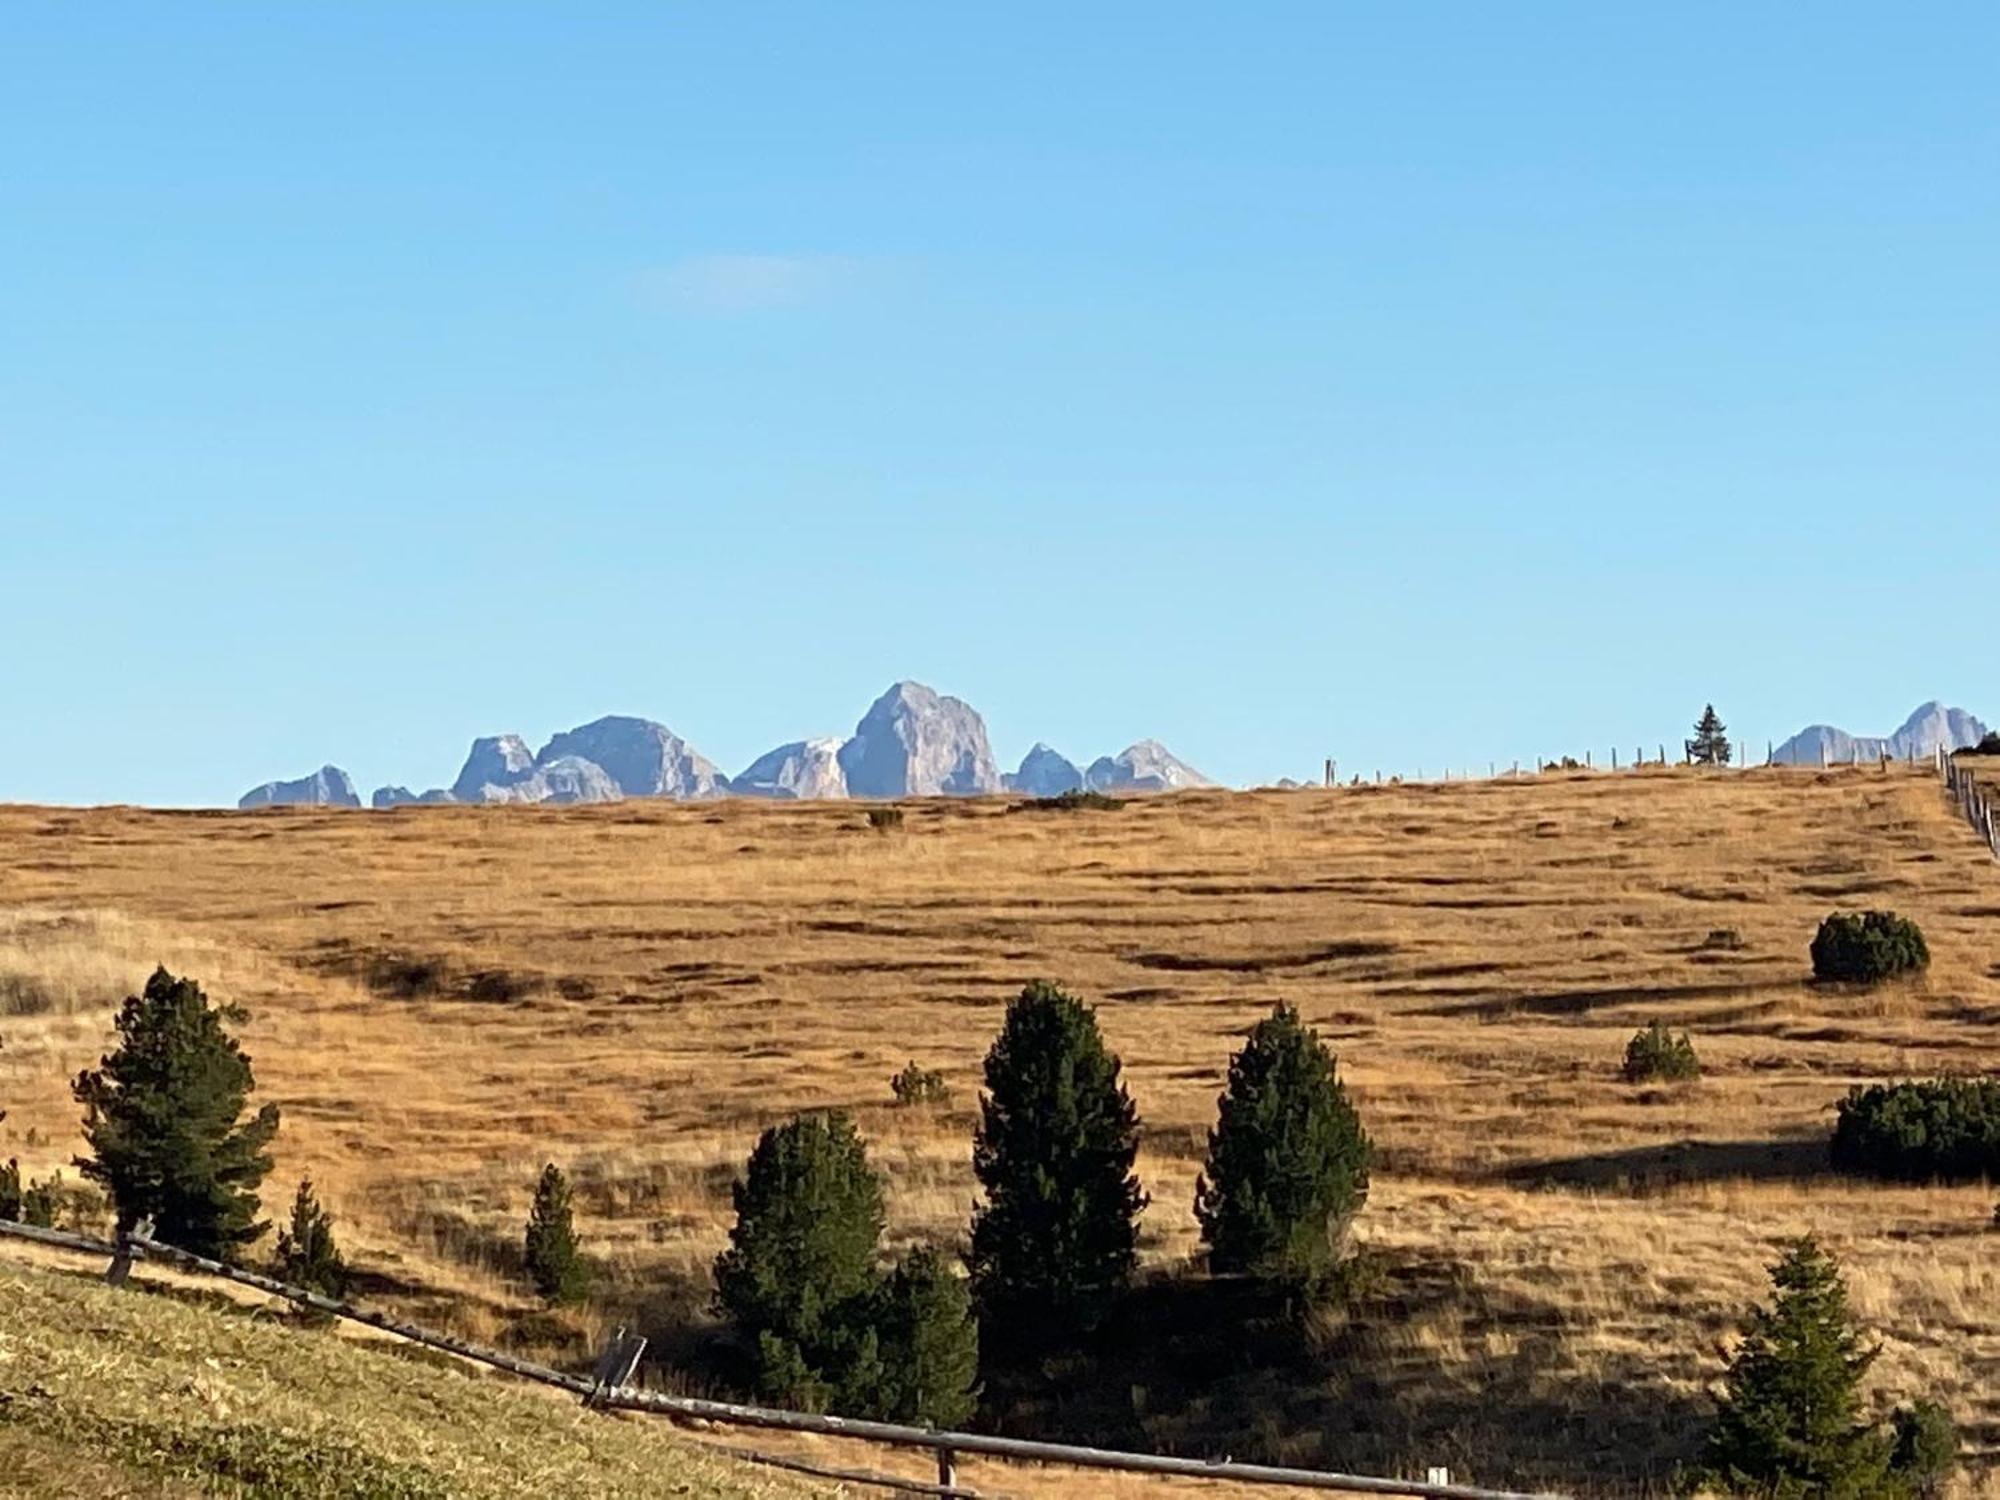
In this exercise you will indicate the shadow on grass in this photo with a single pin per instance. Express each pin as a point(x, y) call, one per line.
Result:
point(1402, 1379)
point(1642, 1169)
point(1583, 1002)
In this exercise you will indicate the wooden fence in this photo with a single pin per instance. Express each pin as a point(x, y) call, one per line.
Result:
point(1962, 785)
point(608, 1388)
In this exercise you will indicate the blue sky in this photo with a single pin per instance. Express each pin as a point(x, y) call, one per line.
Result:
point(1402, 383)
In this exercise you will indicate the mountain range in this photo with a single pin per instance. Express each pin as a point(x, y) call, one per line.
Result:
point(1932, 727)
point(912, 742)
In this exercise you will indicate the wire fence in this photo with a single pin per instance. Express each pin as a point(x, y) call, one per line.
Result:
point(608, 1388)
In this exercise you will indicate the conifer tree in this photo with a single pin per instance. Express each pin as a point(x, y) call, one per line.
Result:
point(1053, 1244)
point(10, 1190)
point(799, 1277)
point(307, 1255)
point(1287, 1161)
point(548, 1250)
point(1709, 747)
point(929, 1344)
point(163, 1119)
point(1790, 1423)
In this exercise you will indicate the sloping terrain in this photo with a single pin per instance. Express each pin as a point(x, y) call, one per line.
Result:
point(137, 1392)
point(444, 998)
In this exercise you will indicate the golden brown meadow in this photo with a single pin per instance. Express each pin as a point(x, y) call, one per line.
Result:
point(443, 998)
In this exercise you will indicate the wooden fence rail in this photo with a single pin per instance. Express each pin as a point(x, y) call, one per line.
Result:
point(947, 1446)
point(1973, 800)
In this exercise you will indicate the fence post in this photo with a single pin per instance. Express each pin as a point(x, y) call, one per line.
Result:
point(947, 1468)
point(120, 1269)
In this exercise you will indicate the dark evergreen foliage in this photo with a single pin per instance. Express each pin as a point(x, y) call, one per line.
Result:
point(799, 1276)
point(307, 1255)
point(548, 1250)
point(1656, 1054)
point(1709, 747)
point(1053, 1243)
point(1989, 744)
point(1791, 1421)
point(1940, 1130)
point(929, 1344)
point(1926, 1448)
point(163, 1119)
point(1865, 948)
point(1287, 1160)
point(915, 1085)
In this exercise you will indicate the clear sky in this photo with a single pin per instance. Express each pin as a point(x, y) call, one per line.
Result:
point(1404, 383)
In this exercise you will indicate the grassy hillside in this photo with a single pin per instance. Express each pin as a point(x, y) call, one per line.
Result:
point(443, 998)
point(107, 1393)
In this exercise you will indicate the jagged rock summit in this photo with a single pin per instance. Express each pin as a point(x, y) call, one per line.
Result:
point(329, 786)
point(643, 759)
point(914, 742)
point(1045, 773)
point(497, 760)
point(802, 769)
point(1145, 767)
point(1931, 727)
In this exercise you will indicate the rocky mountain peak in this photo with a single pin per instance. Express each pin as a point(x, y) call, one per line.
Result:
point(915, 742)
point(329, 786)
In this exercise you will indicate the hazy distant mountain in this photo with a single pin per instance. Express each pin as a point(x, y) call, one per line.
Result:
point(329, 786)
point(1930, 727)
point(1045, 773)
point(498, 760)
point(643, 759)
point(913, 742)
point(804, 768)
point(1145, 767)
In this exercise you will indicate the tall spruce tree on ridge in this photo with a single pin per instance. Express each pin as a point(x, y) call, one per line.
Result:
point(1709, 747)
point(1054, 1242)
point(163, 1119)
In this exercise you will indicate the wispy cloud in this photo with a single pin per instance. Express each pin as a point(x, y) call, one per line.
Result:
point(736, 283)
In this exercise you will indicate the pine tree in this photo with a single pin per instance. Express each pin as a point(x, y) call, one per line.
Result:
point(10, 1190)
point(548, 1250)
point(1709, 747)
point(1053, 1244)
point(799, 1278)
point(929, 1344)
point(307, 1255)
point(163, 1118)
point(1790, 1423)
point(1287, 1161)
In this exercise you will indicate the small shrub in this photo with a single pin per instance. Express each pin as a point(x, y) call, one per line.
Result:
point(915, 1085)
point(1075, 799)
point(1926, 1448)
point(548, 1250)
point(885, 819)
point(1867, 948)
point(30, 1202)
point(1657, 1055)
point(1723, 940)
point(307, 1256)
point(1942, 1130)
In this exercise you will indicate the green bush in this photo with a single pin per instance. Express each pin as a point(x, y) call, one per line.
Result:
point(307, 1255)
point(1865, 948)
point(798, 1278)
point(1989, 744)
point(1925, 1448)
point(31, 1202)
point(1288, 1160)
point(163, 1119)
point(1075, 799)
point(929, 1344)
point(548, 1249)
point(1657, 1055)
point(1791, 1422)
point(883, 819)
point(915, 1085)
point(1054, 1242)
point(1940, 1130)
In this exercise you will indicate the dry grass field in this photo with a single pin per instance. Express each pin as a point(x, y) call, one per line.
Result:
point(443, 998)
